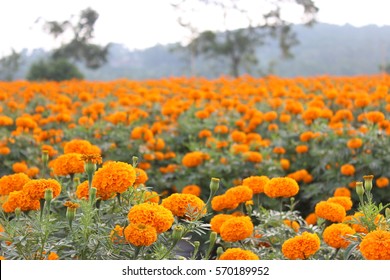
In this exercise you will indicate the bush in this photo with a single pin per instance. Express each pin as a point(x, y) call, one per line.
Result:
point(54, 70)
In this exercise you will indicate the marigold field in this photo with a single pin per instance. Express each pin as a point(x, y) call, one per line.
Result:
point(191, 168)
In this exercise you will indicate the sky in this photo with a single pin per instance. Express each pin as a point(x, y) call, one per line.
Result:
point(140, 24)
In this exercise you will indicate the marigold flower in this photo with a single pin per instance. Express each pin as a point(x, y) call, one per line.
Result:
point(281, 187)
point(36, 188)
point(301, 246)
point(331, 211)
point(194, 159)
point(256, 183)
point(239, 194)
point(238, 254)
point(354, 143)
point(205, 133)
point(335, 235)
point(376, 245)
point(80, 146)
point(117, 235)
point(92, 158)
point(357, 219)
point(179, 204)
point(192, 189)
point(151, 214)
point(217, 221)
point(382, 182)
point(221, 202)
point(279, 150)
point(114, 177)
point(140, 234)
point(142, 176)
point(311, 219)
point(19, 167)
point(6, 121)
point(252, 156)
point(344, 201)
point(285, 164)
point(13, 182)
point(301, 149)
point(53, 256)
point(347, 170)
point(236, 228)
point(292, 224)
point(342, 191)
point(67, 164)
point(19, 199)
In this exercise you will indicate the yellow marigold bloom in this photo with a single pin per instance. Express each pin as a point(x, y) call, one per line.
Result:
point(117, 235)
point(331, 211)
point(311, 219)
point(179, 204)
point(217, 221)
point(347, 170)
point(194, 159)
point(256, 183)
point(36, 188)
point(281, 187)
point(142, 176)
point(301, 149)
point(114, 177)
point(301, 246)
point(238, 254)
point(140, 234)
point(19, 199)
point(344, 201)
point(221, 202)
point(151, 214)
point(192, 189)
point(292, 224)
point(382, 182)
point(53, 256)
point(80, 146)
point(239, 194)
point(354, 143)
point(236, 228)
point(342, 191)
point(13, 182)
point(335, 235)
point(254, 157)
point(67, 164)
point(376, 245)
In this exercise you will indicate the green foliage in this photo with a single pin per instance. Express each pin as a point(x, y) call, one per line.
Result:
point(9, 65)
point(53, 70)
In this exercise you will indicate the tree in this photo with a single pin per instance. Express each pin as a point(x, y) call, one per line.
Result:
point(79, 48)
point(238, 47)
point(53, 70)
point(9, 65)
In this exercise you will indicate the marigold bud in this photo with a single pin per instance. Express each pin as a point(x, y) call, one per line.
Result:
point(368, 182)
point(360, 190)
point(214, 185)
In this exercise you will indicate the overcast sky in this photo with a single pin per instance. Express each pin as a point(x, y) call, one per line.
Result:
point(144, 23)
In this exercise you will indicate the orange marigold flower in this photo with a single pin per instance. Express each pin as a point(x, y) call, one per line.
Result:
point(292, 224)
point(252, 156)
point(279, 150)
point(342, 191)
point(192, 189)
point(354, 143)
point(67, 164)
point(151, 214)
point(238, 136)
point(181, 204)
point(335, 235)
point(53, 256)
point(217, 221)
point(221, 202)
point(6, 121)
point(238, 254)
point(221, 129)
point(281, 187)
point(117, 235)
point(285, 164)
point(19, 199)
point(376, 245)
point(151, 196)
point(114, 177)
point(140, 234)
point(301, 149)
point(36, 188)
point(13, 182)
point(239, 194)
point(331, 211)
point(236, 228)
point(256, 183)
point(194, 159)
point(142, 176)
point(81, 147)
point(311, 219)
point(382, 182)
point(205, 133)
point(72, 205)
point(344, 201)
point(347, 170)
point(92, 158)
point(20, 167)
point(306, 136)
point(301, 246)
